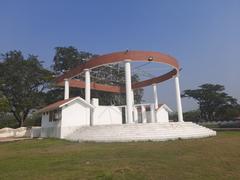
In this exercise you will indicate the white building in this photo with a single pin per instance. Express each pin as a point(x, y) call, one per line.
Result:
point(80, 120)
point(63, 117)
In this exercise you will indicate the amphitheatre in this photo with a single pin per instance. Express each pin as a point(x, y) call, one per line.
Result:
point(81, 119)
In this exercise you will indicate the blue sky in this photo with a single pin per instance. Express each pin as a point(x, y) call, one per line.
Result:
point(203, 35)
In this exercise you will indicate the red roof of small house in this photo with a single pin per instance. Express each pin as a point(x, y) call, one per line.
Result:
point(55, 105)
point(61, 103)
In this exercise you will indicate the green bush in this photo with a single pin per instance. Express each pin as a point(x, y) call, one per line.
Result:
point(8, 120)
point(33, 120)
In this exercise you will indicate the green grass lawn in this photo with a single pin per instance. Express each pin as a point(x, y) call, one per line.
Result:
point(210, 158)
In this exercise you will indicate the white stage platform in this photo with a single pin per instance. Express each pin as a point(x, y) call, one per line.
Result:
point(140, 132)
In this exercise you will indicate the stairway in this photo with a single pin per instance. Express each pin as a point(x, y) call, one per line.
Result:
point(140, 132)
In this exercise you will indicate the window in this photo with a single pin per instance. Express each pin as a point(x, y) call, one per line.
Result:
point(55, 115)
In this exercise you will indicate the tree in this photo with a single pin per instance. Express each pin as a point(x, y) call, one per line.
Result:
point(64, 59)
point(4, 105)
point(193, 116)
point(211, 99)
point(22, 83)
point(68, 57)
point(228, 112)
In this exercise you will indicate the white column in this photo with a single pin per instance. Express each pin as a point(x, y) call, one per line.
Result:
point(128, 92)
point(66, 89)
point(152, 113)
point(143, 111)
point(155, 95)
point(132, 95)
point(178, 97)
point(87, 85)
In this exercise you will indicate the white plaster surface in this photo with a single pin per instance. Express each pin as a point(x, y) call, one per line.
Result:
point(35, 132)
point(50, 129)
point(75, 114)
point(19, 132)
point(103, 115)
point(162, 115)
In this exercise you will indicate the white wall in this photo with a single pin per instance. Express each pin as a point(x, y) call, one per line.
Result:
point(50, 129)
point(46, 123)
point(19, 132)
point(74, 115)
point(103, 115)
point(162, 115)
point(36, 132)
point(148, 116)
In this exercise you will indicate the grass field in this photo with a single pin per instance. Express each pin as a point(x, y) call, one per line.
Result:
point(210, 158)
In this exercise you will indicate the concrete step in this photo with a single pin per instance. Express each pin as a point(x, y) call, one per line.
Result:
point(140, 132)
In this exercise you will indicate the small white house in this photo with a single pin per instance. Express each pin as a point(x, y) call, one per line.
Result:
point(63, 117)
point(162, 113)
point(159, 115)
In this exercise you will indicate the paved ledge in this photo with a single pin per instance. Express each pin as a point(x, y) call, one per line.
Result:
point(9, 139)
point(226, 129)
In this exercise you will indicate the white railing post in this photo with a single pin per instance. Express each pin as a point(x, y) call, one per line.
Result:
point(87, 85)
point(152, 113)
point(66, 89)
point(143, 111)
point(155, 95)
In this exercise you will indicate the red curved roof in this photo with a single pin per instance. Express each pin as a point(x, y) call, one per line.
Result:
point(118, 57)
